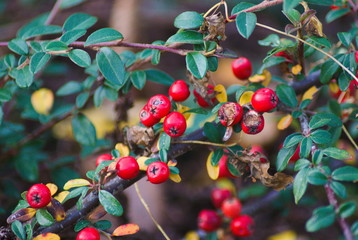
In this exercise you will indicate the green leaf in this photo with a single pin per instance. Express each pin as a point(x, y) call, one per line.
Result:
point(321, 119)
point(347, 209)
point(72, 35)
point(233, 170)
point(214, 132)
point(19, 46)
point(28, 170)
point(241, 6)
point(345, 37)
point(188, 20)
point(317, 157)
point(79, 21)
point(40, 30)
point(305, 147)
point(317, 178)
point(213, 63)
point(56, 46)
point(190, 36)
point(346, 173)
point(158, 76)
point(328, 69)
point(216, 157)
point(164, 141)
point(103, 35)
point(300, 184)
point(44, 218)
point(111, 66)
point(69, 88)
point(80, 57)
point(75, 193)
point(320, 41)
point(138, 79)
point(287, 95)
point(18, 229)
point(339, 189)
point(23, 77)
point(197, 64)
point(38, 61)
point(271, 61)
point(10, 60)
point(5, 95)
point(321, 2)
point(110, 203)
point(336, 153)
point(81, 225)
point(174, 170)
point(1, 115)
point(321, 218)
point(272, 40)
point(70, 3)
point(245, 23)
point(283, 157)
point(83, 130)
point(344, 78)
point(301, 163)
point(293, 15)
point(321, 136)
point(335, 14)
point(292, 140)
point(103, 224)
point(290, 4)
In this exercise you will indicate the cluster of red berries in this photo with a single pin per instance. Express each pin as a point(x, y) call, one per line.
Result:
point(230, 212)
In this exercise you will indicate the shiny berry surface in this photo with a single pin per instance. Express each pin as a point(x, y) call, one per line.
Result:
point(252, 122)
point(127, 168)
point(147, 118)
point(230, 113)
point(219, 195)
point(38, 196)
point(174, 124)
point(88, 234)
point(264, 100)
point(242, 226)
point(201, 101)
point(103, 157)
point(231, 207)
point(158, 172)
point(179, 91)
point(159, 105)
point(242, 68)
point(209, 220)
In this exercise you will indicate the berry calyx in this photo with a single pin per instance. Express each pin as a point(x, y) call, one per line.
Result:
point(174, 124)
point(201, 101)
point(103, 157)
point(158, 172)
point(230, 113)
point(38, 196)
point(179, 91)
point(242, 68)
point(209, 220)
point(127, 168)
point(159, 105)
point(231, 207)
point(252, 122)
point(88, 234)
point(242, 226)
point(147, 118)
point(264, 100)
point(219, 195)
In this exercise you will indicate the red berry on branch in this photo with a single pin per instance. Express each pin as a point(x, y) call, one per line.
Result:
point(159, 105)
point(230, 113)
point(231, 207)
point(158, 172)
point(127, 168)
point(174, 124)
point(147, 118)
point(179, 91)
point(219, 195)
point(201, 101)
point(38, 196)
point(252, 122)
point(88, 234)
point(242, 226)
point(264, 100)
point(103, 157)
point(224, 171)
point(209, 220)
point(241, 68)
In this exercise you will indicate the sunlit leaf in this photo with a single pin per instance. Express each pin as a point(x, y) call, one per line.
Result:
point(246, 97)
point(213, 171)
point(61, 196)
point(42, 101)
point(53, 188)
point(175, 177)
point(76, 183)
point(123, 149)
point(126, 229)
point(221, 96)
point(285, 122)
point(47, 236)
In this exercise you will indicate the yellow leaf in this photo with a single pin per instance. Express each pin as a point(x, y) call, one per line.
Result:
point(53, 188)
point(285, 122)
point(333, 86)
point(22, 215)
point(221, 96)
point(268, 77)
point(42, 101)
point(56, 209)
point(79, 182)
point(264, 78)
point(225, 183)
point(192, 235)
point(309, 93)
point(61, 196)
point(182, 109)
point(47, 236)
point(213, 172)
point(141, 162)
point(286, 235)
point(246, 97)
point(126, 229)
point(175, 178)
point(122, 149)
point(296, 69)
point(172, 163)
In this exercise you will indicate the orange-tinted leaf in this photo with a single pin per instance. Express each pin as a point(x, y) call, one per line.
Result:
point(296, 69)
point(264, 78)
point(47, 236)
point(22, 215)
point(175, 178)
point(309, 93)
point(122, 149)
point(213, 172)
point(246, 97)
point(53, 188)
point(285, 122)
point(221, 96)
point(126, 229)
point(61, 196)
point(96, 214)
point(172, 163)
point(42, 100)
point(79, 182)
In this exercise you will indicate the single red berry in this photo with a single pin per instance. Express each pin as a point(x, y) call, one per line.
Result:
point(38, 196)
point(356, 56)
point(209, 220)
point(127, 167)
point(252, 122)
point(147, 118)
point(158, 172)
point(242, 226)
point(296, 155)
point(179, 91)
point(174, 124)
point(201, 101)
point(219, 195)
point(230, 113)
point(241, 68)
point(88, 234)
point(264, 100)
point(103, 157)
point(231, 207)
point(224, 171)
point(284, 55)
point(159, 105)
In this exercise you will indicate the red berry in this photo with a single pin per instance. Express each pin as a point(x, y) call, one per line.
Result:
point(159, 105)
point(103, 157)
point(264, 100)
point(224, 171)
point(230, 113)
point(174, 124)
point(127, 167)
point(356, 56)
point(158, 172)
point(201, 101)
point(147, 118)
point(179, 91)
point(219, 195)
point(241, 226)
point(256, 149)
point(38, 196)
point(241, 68)
point(88, 234)
point(209, 220)
point(231, 207)
point(284, 55)
point(252, 122)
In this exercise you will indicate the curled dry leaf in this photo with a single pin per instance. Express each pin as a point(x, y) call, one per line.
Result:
point(56, 209)
point(140, 136)
point(215, 26)
point(97, 213)
point(126, 229)
point(22, 215)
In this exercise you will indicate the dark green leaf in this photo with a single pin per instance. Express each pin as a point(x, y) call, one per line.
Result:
point(103, 35)
point(354, 228)
point(103, 224)
point(284, 156)
point(300, 184)
point(23, 77)
point(232, 169)
point(197, 64)
point(71, 36)
point(293, 15)
point(214, 132)
point(44, 218)
point(5, 95)
point(38, 61)
point(164, 141)
point(317, 178)
point(322, 217)
point(272, 40)
point(83, 130)
point(81, 225)
point(296, 114)
point(81, 99)
point(110, 203)
point(188, 20)
point(216, 157)
point(80, 57)
point(163, 153)
point(336, 153)
point(40, 30)
point(174, 170)
point(329, 68)
point(346, 38)
point(241, 6)
point(289, 4)
point(10, 60)
point(320, 41)
point(79, 21)
point(19, 46)
point(335, 107)
point(213, 63)
point(198, 111)
point(1, 115)
point(18, 229)
point(344, 78)
point(245, 23)
point(305, 147)
point(158, 76)
point(321, 2)
point(292, 140)
point(346, 173)
point(347, 209)
point(192, 37)
point(138, 79)
point(56, 46)
point(321, 136)
point(334, 14)
point(69, 88)
point(28, 170)
point(317, 157)
point(339, 189)
point(301, 163)
point(287, 95)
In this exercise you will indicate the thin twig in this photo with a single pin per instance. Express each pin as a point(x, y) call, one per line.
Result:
point(207, 143)
point(56, 8)
point(349, 137)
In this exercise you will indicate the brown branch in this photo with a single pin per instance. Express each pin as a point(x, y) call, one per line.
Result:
point(264, 4)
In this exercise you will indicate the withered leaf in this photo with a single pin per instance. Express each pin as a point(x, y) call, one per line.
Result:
point(215, 27)
point(140, 135)
point(56, 209)
point(22, 215)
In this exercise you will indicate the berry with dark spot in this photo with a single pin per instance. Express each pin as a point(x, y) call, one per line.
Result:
point(230, 113)
point(179, 91)
point(264, 100)
point(158, 172)
point(159, 105)
point(38, 196)
point(209, 220)
point(174, 124)
point(252, 122)
point(147, 118)
point(127, 167)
